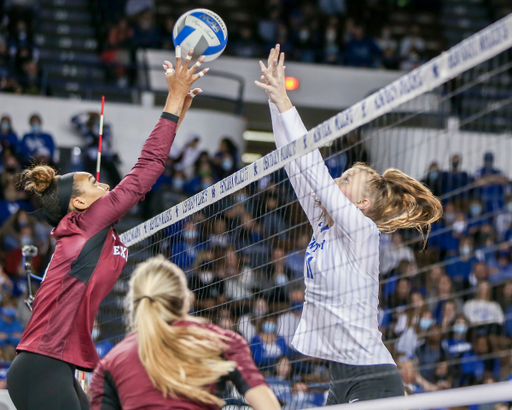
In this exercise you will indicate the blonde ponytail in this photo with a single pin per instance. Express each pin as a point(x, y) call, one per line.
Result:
point(179, 360)
point(399, 201)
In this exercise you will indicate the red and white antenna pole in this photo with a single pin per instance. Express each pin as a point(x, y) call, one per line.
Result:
point(98, 162)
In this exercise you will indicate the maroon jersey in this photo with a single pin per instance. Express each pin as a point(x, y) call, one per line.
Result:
point(121, 382)
point(88, 259)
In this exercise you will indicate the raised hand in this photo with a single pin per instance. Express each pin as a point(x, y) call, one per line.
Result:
point(181, 78)
point(180, 81)
point(273, 80)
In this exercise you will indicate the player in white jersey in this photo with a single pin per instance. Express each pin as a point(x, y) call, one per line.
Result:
point(339, 321)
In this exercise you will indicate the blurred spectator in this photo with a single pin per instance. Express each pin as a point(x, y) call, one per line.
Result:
point(477, 365)
point(455, 345)
point(288, 322)
point(505, 300)
point(433, 179)
point(37, 145)
point(332, 7)
point(266, 346)
point(102, 346)
point(185, 251)
point(411, 316)
point(219, 237)
point(248, 323)
point(391, 256)
point(281, 381)
point(412, 379)
point(245, 44)
point(268, 26)
point(30, 79)
point(88, 126)
point(460, 269)
point(237, 287)
point(429, 353)
point(187, 156)
point(445, 293)
point(295, 258)
point(456, 181)
point(332, 41)
point(412, 41)
point(166, 34)
point(274, 225)
point(448, 315)
point(8, 138)
point(226, 159)
point(443, 377)
point(414, 335)
point(481, 310)
point(401, 296)
point(503, 271)
point(503, 221)
point(362, 50)
point(205, 282)
point(491, 184)
point(300, 399)
point(10, 328)
point(145, 32)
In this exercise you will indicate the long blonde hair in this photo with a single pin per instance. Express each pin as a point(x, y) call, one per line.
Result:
point(399, 201)
point(179, 360)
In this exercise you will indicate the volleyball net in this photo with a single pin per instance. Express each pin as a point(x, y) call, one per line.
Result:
point(445, 312)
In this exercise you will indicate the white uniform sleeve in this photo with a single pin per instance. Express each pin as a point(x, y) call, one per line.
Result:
point(302, 189)
point(347, 217)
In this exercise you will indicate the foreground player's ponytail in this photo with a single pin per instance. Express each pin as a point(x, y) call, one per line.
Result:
point(178, 359)
point(399, 201)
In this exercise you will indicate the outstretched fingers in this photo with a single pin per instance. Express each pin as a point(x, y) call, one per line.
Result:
point(200, 74)
point(196, 66)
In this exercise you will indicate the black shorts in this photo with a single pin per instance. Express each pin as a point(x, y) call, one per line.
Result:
point(350, 384)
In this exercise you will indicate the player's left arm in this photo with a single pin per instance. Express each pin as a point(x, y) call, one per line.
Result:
point(103, 390)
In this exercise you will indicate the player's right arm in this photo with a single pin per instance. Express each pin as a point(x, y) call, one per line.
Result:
point(107, 210)
point(301, 187)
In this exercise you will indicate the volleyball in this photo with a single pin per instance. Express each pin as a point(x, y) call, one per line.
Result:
point(204, 31)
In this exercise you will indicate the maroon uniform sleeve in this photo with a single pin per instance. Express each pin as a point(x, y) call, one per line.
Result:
point(103, 391)
point(246, 375)
point(110, 208)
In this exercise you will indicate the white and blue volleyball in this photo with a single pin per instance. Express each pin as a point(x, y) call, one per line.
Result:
point(204, 31)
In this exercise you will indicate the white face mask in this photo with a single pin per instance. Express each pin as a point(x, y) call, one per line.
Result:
point(206, 277)
point(95, 333)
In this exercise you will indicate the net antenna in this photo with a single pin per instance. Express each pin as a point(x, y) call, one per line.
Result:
point(98, 161)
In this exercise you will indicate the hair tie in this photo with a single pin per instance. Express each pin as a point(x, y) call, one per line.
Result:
point(146, 297)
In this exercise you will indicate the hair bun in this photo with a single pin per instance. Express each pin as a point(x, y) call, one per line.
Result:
point(38, 179)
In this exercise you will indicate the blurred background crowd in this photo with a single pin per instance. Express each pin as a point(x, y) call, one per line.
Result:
point(38, 55)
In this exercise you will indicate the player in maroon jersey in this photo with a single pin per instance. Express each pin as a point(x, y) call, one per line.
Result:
point(172, 360)
point(87, 260)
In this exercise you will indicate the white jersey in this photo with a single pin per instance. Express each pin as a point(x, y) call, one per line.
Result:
point(341, 270)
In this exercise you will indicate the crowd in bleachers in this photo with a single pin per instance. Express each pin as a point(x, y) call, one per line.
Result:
point(328, 33)
point(446, 312)
point(19, 67)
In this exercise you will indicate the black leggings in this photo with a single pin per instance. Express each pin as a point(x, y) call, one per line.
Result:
point(39, 382)
point(350, 384)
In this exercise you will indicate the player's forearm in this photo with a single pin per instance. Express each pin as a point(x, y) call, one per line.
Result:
point(283, 104)
point(262, 398)
point(174, 104)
